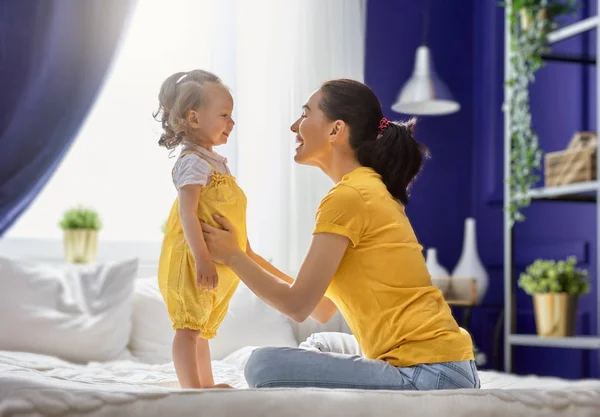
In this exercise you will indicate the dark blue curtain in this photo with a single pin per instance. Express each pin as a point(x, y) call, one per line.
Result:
point(54, 56)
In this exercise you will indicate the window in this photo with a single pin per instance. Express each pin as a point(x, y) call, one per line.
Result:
point(115, 164)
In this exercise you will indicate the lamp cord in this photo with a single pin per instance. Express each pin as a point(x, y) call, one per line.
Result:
point(425, 21)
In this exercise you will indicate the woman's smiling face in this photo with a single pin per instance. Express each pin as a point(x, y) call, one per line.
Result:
point(312, 131)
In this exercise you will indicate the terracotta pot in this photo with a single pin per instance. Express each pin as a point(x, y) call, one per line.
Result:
point(555, 314)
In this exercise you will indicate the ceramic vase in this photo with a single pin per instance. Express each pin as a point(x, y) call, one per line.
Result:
point(439, 275)
point(469, 266)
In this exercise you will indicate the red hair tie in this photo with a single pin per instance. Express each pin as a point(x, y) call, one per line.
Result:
point(383, 124)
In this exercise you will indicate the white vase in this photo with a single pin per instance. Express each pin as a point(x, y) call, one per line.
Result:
point(470, 266)
point(439, 275)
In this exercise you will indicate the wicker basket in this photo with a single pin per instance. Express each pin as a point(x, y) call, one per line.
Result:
point(575, 164)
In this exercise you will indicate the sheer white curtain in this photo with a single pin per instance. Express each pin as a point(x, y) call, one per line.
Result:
point(272, 54)
point(281, 58)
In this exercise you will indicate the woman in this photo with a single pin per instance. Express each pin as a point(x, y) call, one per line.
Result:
point(364, 259)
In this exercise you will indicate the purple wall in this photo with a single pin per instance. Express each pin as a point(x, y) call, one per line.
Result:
point(445, 187)
point(464, 176)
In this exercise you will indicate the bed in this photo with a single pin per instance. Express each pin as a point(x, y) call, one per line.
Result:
point(37, 385)
point(95, 341)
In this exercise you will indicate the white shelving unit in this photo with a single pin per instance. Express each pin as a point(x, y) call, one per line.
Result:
point(580, 342)
point(588, 191)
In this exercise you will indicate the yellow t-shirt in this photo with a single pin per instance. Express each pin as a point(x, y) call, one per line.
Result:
point(382, 286)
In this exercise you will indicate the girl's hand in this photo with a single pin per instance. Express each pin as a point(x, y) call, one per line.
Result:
point(222, 243)
point(207, 278)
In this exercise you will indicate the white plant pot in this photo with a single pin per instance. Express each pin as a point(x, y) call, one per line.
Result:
point(439, 275)
point(470, 266)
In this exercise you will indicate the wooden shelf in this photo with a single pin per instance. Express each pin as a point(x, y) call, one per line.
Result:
point(469, 288)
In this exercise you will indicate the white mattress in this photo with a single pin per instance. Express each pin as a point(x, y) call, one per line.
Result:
point(36, 385)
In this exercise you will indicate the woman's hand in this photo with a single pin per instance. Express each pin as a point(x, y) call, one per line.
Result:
point(297, 299)
point(222, 243)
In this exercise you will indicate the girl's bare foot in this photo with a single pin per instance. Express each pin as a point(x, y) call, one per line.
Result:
point(221, 386)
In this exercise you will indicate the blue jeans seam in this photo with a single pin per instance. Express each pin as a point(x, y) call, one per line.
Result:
point(459, 370)
point(475, 375)
point(449, 380)
point(416, 374)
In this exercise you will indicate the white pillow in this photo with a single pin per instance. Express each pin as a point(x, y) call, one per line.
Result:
point(78, 313)
point(151, 334)
point(249, 322)
point(334, 342)
point(309, 326)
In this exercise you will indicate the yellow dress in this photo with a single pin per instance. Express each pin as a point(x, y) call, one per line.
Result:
point(188, 306)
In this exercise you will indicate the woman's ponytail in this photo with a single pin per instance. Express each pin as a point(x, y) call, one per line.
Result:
point(388, 147)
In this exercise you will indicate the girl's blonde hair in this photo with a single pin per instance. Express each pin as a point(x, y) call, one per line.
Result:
point(181, 92)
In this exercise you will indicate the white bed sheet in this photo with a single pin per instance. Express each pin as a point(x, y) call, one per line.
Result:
point(37, 385)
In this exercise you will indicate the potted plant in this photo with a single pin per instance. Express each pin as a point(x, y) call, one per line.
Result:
point(530, 23)
point(80, 226)
point(556, 287)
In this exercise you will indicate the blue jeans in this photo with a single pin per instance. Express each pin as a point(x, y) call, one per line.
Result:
point(292, 367)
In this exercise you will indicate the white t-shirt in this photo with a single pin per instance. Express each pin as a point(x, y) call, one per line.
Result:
point(192, 169)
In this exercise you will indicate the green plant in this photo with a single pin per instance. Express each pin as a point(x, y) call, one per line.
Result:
point(530, 23)
point(80, 218)
point(548, 276)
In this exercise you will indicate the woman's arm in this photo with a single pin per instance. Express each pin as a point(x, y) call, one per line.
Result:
point(324, 310)
point(298, 299)
point(206, 272)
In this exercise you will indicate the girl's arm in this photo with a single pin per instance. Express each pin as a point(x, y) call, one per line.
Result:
point(297, 299)
point(324, 310)
point(206, 272)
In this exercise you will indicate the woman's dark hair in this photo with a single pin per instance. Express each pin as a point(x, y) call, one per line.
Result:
point(395, 154)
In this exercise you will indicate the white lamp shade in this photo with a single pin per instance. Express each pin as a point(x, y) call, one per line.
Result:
point(425, 93)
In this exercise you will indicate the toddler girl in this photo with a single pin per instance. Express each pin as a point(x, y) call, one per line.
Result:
point(195, 111)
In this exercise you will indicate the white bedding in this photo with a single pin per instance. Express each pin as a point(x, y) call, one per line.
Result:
point(37, 385)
